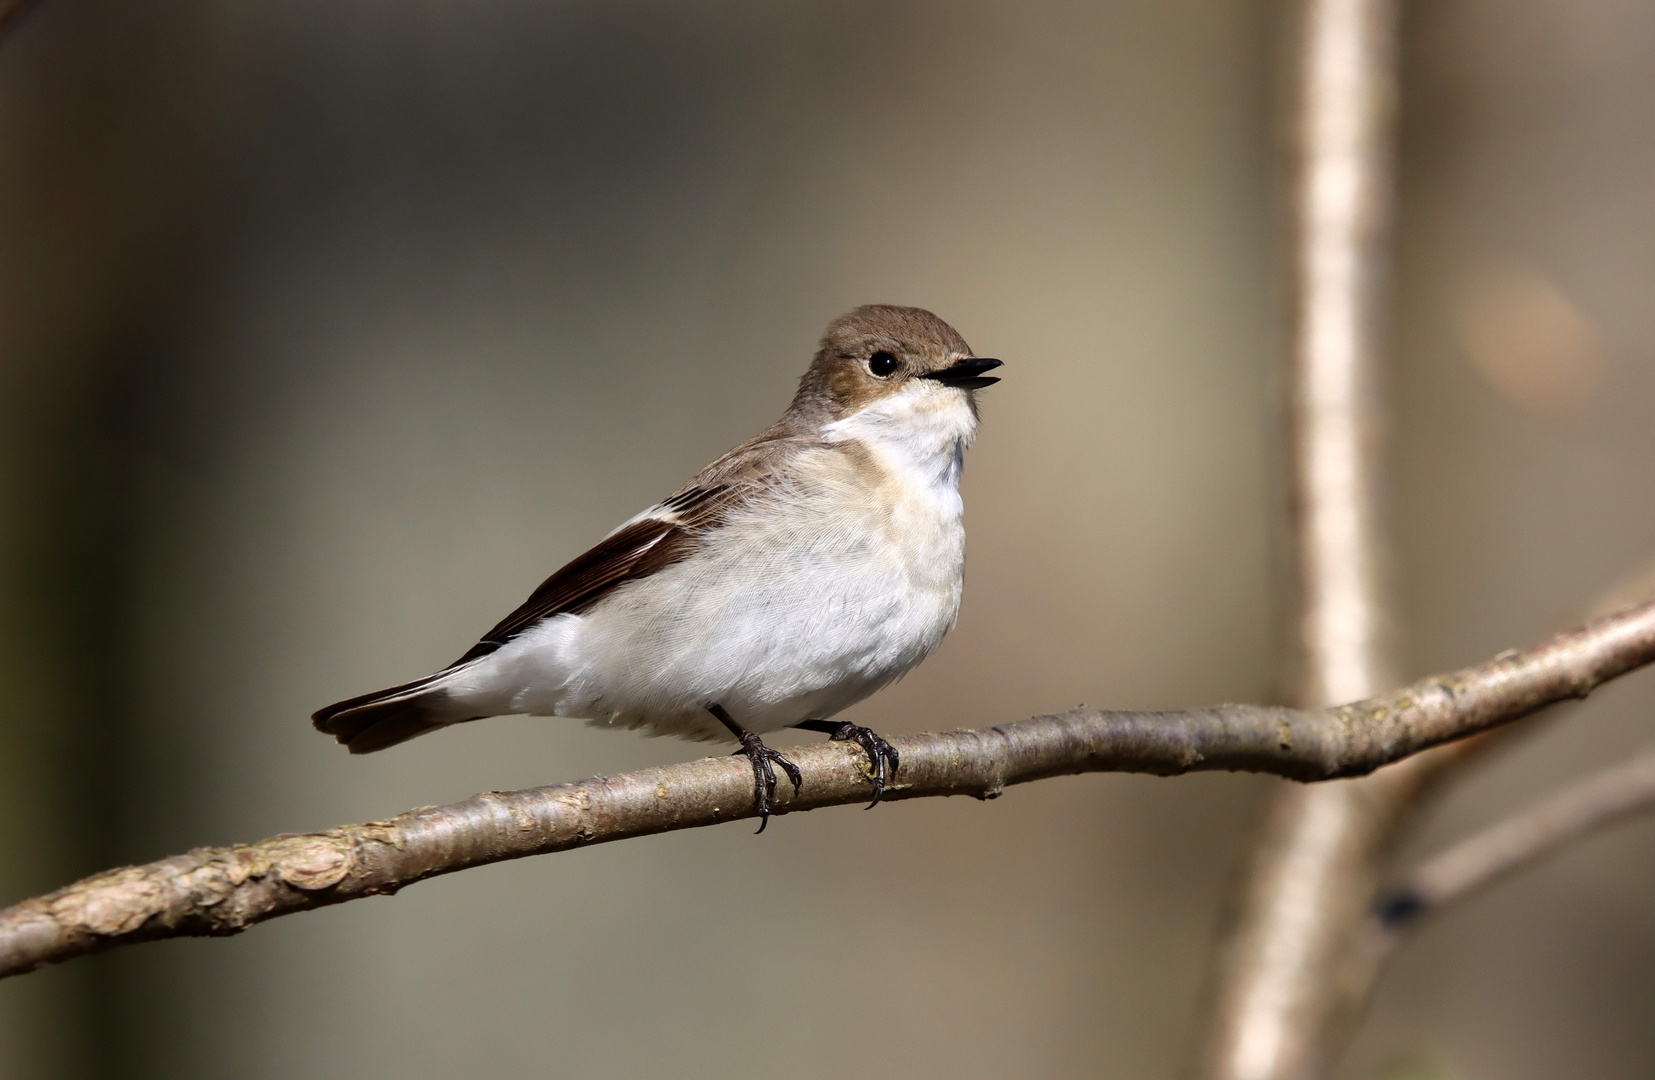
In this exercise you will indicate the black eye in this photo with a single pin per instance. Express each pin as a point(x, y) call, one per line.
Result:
point(882, 364)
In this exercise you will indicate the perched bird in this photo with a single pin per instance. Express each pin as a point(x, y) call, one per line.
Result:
point(802, 571)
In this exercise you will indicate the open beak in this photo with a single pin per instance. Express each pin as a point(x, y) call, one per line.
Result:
point(967, 374)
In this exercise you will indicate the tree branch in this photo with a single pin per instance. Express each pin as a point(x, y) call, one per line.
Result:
point(1278, 993)
point(1520, 840)
point(221, 891)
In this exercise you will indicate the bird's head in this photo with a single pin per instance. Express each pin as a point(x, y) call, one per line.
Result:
point(880, 352)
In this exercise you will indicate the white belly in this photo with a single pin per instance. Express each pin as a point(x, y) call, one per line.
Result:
point(798, 609)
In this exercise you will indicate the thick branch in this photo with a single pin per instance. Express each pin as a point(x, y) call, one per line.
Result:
point(218, 891)
point(1520, 840)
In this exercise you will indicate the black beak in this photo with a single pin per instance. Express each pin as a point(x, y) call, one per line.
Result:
point(967, 374)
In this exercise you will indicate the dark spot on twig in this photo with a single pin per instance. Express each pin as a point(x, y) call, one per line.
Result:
point(1398, 908)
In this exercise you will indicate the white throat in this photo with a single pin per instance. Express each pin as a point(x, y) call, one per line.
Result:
point(921, 431)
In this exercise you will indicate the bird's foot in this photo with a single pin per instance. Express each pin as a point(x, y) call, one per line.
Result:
point(764, 762)
point(882, 756)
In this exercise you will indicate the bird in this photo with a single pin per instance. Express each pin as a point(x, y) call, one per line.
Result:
point(796, 575)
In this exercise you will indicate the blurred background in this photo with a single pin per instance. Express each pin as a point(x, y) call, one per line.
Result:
point(328, 329)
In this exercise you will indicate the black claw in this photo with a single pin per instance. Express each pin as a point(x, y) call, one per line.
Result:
point(764, 762)
point(880, 754)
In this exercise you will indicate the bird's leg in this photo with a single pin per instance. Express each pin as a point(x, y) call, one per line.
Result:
point(764, 761)
point(880, 753)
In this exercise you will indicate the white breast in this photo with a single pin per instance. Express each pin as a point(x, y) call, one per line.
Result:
point(810, 599)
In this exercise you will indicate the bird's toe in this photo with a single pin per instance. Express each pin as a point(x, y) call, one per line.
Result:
point(764, 761)
point(882, 756)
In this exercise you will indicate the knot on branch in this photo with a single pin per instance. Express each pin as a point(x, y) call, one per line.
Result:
point(310, 862)
point(118, 902)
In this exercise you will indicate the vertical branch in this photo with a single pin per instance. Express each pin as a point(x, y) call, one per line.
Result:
point(1290, 967)
point(1341, 194)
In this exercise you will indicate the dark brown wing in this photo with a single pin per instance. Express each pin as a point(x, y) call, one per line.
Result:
point(636, 551)
point(385, 717)
point(654, 542)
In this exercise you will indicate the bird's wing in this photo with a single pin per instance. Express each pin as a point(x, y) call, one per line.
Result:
point(659, 537)
point(634, 551)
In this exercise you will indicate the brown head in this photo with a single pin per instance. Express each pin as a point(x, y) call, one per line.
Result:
point(880, 350)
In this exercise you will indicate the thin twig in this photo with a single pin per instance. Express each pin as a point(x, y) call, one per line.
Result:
point(1520, 840)
point(220, 891)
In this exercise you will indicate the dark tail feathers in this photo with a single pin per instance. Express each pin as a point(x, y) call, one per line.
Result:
point(384, 718)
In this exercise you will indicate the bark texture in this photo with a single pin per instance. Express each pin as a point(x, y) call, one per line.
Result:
point(225, 890)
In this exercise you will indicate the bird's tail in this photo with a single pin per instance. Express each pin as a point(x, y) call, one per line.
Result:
point(387, 717)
